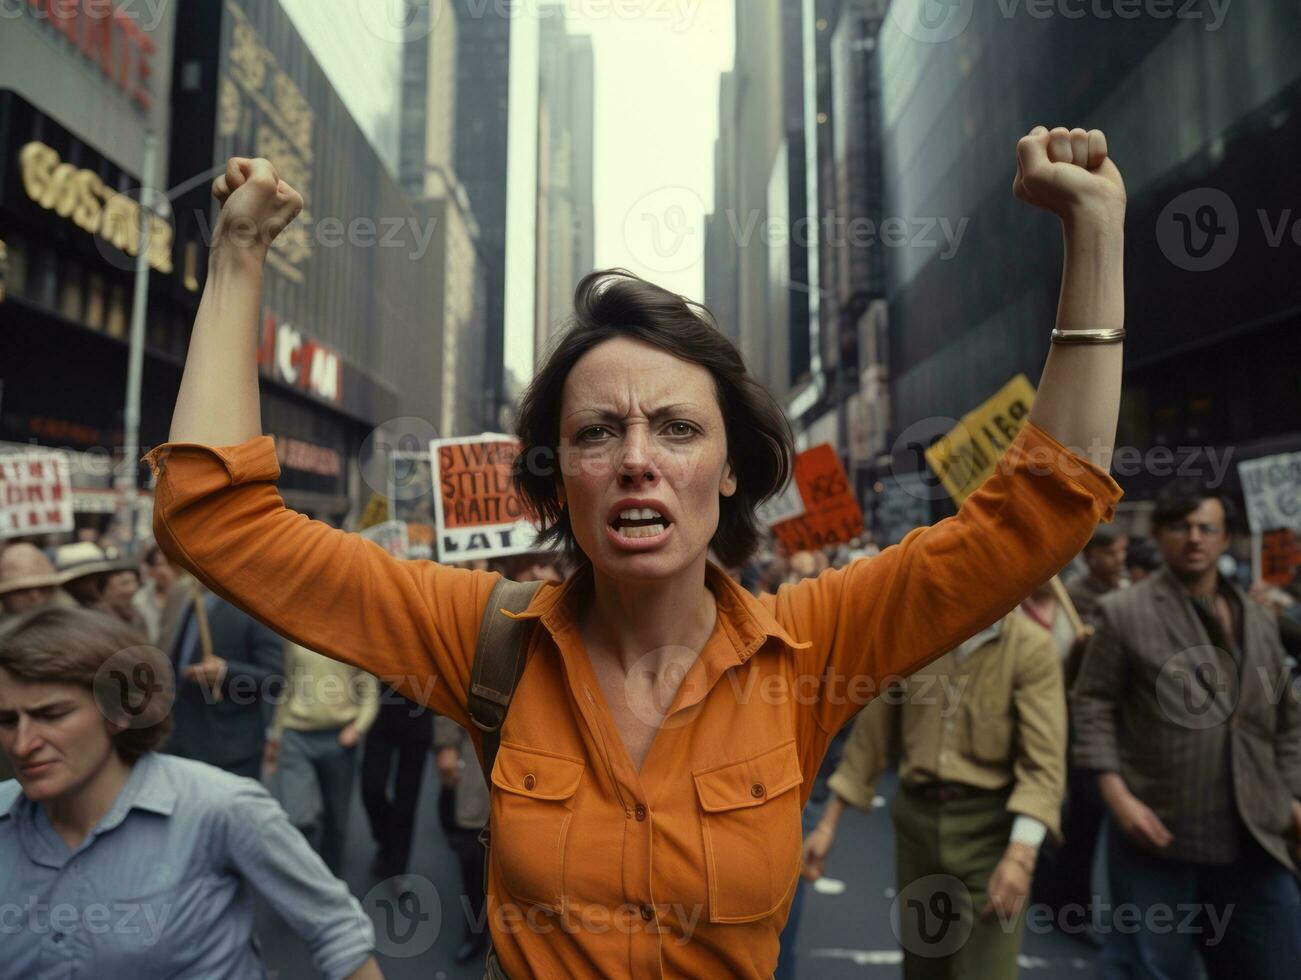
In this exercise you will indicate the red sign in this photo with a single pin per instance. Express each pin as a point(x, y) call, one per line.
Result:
point(294, 454)
point(108, 37)
point(831, 512)
point(289, 356)
point(1280, 554)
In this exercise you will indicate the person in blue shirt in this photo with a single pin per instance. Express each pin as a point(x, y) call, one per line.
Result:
point(119, 861)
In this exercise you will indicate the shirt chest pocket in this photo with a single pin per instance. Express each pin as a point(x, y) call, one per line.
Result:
point(532, 805)
point(750, 819)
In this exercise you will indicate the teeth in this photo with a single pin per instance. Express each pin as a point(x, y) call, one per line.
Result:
point(648, 531)
point(639, 514)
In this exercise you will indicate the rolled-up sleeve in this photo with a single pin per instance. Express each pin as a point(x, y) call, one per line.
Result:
point(881, 618)
point(866, 754)
point(1039, 703)
point(413, 624)
point(276, 860)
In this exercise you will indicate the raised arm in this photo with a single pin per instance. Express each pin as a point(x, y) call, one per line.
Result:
point(218, 514)
point(892, 614)
point(1070, 174)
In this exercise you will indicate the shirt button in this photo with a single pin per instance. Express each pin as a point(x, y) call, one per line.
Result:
point(647, 912)
point(529, 781)
point(757, 790)
point(641, 812)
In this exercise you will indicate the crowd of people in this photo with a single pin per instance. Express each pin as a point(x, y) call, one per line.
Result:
point(1059, 757)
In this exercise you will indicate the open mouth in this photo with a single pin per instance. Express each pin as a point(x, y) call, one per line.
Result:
point(640, 522)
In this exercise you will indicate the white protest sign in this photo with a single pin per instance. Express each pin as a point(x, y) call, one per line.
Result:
point(477, 512)
point(1272, 488)
point(35, 494)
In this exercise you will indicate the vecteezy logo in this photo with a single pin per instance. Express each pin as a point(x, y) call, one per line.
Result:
point(932, 21)
point(1198, 231)
point(398, 21)
point(931, 916)
point(664, 229)
point(1197, 689)
point(135, 687)
point(407, 913)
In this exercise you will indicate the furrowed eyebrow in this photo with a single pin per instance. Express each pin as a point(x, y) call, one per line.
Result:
point(610, 415)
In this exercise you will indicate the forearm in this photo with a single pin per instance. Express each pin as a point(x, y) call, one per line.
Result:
point(832, 813)
point(1078, 401)
point(218, 400)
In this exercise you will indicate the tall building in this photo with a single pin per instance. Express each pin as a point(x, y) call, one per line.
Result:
point(428, 175)
point(1208, 153)
point(482, 117)
point(81, 89)
point(348, 338)
point(565, 223)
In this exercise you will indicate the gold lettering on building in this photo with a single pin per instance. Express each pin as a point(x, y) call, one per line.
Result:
point(85, 200)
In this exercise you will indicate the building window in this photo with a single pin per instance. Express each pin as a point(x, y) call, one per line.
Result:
point(95, 302)
point(115, 324)
point(71, 289)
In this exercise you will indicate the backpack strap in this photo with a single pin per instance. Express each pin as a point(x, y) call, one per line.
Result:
point(498, 663)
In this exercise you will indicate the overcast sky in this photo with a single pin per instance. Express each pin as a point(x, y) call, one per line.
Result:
point(657, 64)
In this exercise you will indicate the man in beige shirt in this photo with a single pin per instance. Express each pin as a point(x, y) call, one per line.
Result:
point(311, 753)
point(981, 739)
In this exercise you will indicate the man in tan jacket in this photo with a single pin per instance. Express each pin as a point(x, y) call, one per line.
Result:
point(981, 738)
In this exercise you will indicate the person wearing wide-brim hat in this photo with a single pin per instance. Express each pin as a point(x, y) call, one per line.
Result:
point(84, 568)
point(28, 580)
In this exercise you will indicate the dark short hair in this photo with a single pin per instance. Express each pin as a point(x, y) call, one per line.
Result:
point(66, 645)
point(1181, 497)
point(612, 303)
point(1142, 553)
point(1104, 536)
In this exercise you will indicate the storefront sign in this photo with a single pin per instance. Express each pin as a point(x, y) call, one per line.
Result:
point(831, 512)
point(966, 456)
point(35, 494)
point(108, 37)
point(477, 511)
point(295, 454)
point(289, 356)
point(81, 197)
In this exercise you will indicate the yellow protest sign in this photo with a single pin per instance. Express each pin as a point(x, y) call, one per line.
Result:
point(967, 454)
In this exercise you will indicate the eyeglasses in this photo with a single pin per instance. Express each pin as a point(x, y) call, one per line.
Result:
point(1182, 529)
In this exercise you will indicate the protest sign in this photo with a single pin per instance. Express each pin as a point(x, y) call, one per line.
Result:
point(831, 512)
point(966, 455)
point(35, 494)
point(477, 511)
point(389, 535)
point(782, 507)
point(1271, 486)
point(420, 541)
point(1280, 553)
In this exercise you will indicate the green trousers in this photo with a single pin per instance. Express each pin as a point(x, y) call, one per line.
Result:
point(944, 855)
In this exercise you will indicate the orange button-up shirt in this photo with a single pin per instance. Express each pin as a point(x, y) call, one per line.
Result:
point(687, 867)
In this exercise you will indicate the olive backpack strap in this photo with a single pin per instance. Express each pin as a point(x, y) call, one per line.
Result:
point(499, 659)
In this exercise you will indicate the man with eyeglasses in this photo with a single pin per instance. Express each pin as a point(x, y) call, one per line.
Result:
point(1184, 708)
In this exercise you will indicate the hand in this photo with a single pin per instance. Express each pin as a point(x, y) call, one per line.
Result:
point(1009, 885)
point(349, 735)
point(1139, 823)
point(1068, 173)
point(448, 760)
point(270, 756)
point(814, 857)
point(208, 673)
point(256, 206)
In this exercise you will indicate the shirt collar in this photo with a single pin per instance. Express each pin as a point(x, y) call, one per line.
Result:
point(974, 643)
point(749, 622)
point(146, 788)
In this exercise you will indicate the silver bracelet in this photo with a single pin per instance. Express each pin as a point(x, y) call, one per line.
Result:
point(1108, 336)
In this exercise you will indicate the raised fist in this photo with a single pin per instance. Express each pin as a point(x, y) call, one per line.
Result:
point(1068, 172)
point(256, 205)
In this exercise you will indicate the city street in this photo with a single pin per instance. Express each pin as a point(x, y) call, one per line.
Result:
point(844, 935)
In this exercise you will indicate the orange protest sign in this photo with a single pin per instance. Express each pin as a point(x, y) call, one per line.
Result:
point(478, 512)
point(831, 512)
point(1280, 553)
